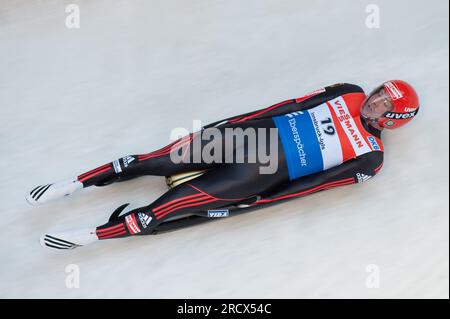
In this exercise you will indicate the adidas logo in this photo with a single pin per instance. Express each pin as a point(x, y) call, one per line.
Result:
point(362, 177)
point(127, 160)
point(145, 219)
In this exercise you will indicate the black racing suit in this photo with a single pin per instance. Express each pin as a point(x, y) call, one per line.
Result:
point(227, 187)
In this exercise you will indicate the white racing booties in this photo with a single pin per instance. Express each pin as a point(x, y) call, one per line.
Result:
point(68, 240)
point(49, 192)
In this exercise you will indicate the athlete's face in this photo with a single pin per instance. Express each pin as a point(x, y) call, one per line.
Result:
point(378, 103)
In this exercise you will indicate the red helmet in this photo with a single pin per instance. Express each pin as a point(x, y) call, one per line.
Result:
point(401, 100)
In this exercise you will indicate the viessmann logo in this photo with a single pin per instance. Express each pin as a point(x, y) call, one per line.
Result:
point(347, 123)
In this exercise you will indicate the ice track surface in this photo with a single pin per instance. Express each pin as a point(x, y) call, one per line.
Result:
point(71, 100)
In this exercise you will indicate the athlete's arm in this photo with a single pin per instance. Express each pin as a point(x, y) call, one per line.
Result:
point(299, 104)
point(354, 171)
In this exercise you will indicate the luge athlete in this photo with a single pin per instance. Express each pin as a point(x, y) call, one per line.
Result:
point(329, 138)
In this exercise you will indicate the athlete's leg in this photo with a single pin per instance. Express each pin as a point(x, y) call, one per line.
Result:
point(216, 188)
point(158, 163)
point(229, 185)
point(187, 152)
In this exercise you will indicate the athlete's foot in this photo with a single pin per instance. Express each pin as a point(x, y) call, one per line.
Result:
point(68, 240)
point(49, 192)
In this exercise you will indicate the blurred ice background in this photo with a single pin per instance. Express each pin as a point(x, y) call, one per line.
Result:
point(73, 99)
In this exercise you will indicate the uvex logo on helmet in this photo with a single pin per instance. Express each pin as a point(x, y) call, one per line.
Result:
point(405, 101)
point(400, 116)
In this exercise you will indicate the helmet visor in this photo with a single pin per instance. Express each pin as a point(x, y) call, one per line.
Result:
point(376, 104)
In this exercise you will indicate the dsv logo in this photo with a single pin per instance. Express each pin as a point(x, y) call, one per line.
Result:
point(374, 143)
point(400, 116)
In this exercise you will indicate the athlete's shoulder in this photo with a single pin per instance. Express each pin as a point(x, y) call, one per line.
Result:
point(332, 91)
point(329, 93)
point(371, 163)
